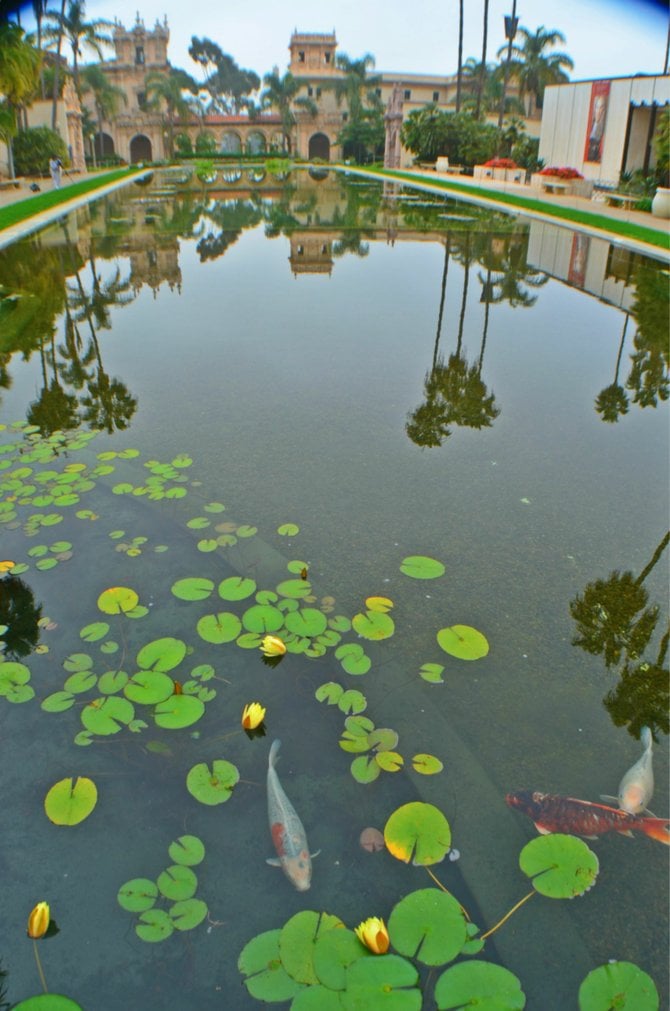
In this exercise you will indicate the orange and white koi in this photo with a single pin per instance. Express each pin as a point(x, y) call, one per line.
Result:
point(288, 834)
point(552, 813)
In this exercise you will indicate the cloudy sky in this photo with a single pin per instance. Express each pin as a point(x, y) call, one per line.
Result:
point(605, 38)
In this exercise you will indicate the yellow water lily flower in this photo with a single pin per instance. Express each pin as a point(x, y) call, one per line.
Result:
point(374, 935)
point(253, 715)
point(38, 921)
point(272, 645)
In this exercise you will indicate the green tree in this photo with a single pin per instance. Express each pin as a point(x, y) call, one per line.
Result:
point(534, 67)
point(166, 91)
point(363, 132)
point(107, 98)
point(34, 147)
point(80, 33)
point(282, 94)
point(19, 75)
point(429, 132)
point(227, 83)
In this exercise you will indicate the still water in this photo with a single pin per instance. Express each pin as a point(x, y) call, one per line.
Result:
point(394, 375)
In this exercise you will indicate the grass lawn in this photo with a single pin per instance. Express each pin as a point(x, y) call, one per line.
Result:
point(12, 214)
point(626, 229)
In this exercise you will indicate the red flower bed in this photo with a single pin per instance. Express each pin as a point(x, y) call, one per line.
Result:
point(561, 173)
point(500, 163)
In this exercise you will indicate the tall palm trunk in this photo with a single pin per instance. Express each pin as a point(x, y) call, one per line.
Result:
point(482, 69)
point(459, 74)
point(443, 291)
point(54, 103)
point(508, 58)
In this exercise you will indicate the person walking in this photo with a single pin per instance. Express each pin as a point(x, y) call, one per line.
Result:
point(55, 168)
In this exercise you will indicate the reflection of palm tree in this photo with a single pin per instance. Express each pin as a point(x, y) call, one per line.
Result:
point(649, 377)
point(54, 409)
point(612, 401)
point(641, 698)
point(20, 616)
point(515, 273)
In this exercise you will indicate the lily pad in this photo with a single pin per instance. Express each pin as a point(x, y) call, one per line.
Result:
point(219, 628)
point(307, 622)
point(428, 925)
point(94, 632)
point(112, 681)
point(386, 981)
point(288, 529)
point(187, 850)
point(177, 882)
point(262, 618)
point(316, 998)
point(559, 866)
point(260, 962)
point(365, 769)
point(117, 600)
point(427, 765)
point(58, 702)
point(137, 895)
point(389, 761)
point(192, 588)
point(620, 985)
point(78, 662)
point(418, 832)
point(188, 913)
point(375, 625)
point(161, 654)
point(212, 786)
point(334, 950)
point(14, 678)
point(296, 942)
point(107, 716)
point(432, 672)
point(178, 711)
point(155, 925)
point(352, 702)
point(70, 801)
point(48, 1002)
point(421, 567)
point(148, 687)
point(329, 692)
point(294, 588)
point(236, 588)
point(481, 984)
point(81, 681)
point(463, 642)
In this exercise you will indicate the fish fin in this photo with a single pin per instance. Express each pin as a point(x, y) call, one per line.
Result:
point(595, 836)
point(541, 830)
point(609, 799)
point(628, 833)
point(312, 855)
point(273, 861)
point(655, 828)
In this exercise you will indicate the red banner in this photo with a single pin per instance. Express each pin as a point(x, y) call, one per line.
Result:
point(595, 132)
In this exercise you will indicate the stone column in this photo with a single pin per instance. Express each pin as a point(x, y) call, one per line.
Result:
point(393, 122)
point(75, 135)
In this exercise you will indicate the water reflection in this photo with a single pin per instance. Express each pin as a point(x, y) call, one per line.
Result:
point(615, 620)
point(20, 614)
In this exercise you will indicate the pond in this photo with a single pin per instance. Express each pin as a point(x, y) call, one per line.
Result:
point(426, 446)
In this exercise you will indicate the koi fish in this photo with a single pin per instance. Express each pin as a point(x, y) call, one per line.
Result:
point(288, 835)
point(637, 786)
point(552, 813)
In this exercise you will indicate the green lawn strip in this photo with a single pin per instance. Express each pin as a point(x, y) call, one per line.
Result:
point(12, 214)
point(628, 229)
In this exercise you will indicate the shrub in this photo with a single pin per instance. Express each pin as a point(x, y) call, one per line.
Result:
point(561, 173)
point(500, 163)
point(205, 143)
point(33, 148)
point(430, 132)
point(183, 144)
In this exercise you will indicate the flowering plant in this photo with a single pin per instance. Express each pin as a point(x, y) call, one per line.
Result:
point(561, 173)
point(501, 163)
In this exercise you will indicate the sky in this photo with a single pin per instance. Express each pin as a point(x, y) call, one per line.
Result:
point(605, 38)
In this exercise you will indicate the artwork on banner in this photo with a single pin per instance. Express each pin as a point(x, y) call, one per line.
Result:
point(578, 257)
point(600, 93)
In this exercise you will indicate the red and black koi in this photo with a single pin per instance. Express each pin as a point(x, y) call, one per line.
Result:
point(553, 813)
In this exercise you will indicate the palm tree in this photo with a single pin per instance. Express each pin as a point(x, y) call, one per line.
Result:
point(356, 86)
point(281, 94)
point(480, 85)
point(535, 68)
point(106, 97)
point(19, 74)
point(167, 89)
point(459, 72)
point(78, 32)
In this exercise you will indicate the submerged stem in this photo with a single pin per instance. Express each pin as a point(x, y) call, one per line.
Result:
point(39, 967)
point(440, 885)
point(507, 915)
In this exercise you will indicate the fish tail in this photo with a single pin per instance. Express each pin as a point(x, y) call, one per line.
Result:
point(645, 738)
point(656, 828)
point(272, 760)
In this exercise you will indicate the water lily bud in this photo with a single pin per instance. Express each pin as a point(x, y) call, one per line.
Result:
point(272, 645)
point(253, 715)
point(38, 921)
point(374, 935)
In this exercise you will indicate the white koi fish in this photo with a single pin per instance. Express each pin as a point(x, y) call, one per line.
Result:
point(288, 835)
point(637, 786)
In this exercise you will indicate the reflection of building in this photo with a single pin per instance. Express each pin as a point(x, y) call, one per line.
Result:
point(311, 253)
point(603, 128)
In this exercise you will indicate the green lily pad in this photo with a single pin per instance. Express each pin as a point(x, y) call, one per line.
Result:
point(117, 600)
point(384, 982)
point(109, 647)
point(373, 625)
point(107, 716)
point(81, 681)
point(559, 866)
point(58, 702)
point(78, 662)
point(246, 531)
point(339, 623)
point(296, 942)
point(219, 628)
point(365, 769)
point(95, 631)
point(155, 925)
point(236, 588)
point(14, 678)
point(148, 687)
point(177, 882)
point(421, 567)
point(112, 681)
point(70, 801)
point(432, 672)
point(203, 672)
point(215, 507)
point(215, 785)
point(207, 545)
point(427, 765)
point(192, 588)
point(161, 654)
point(260, 962)
point(268, 597)
point(316, 998)
point(481, 984)
point(620, 985)
point(307, 622)
point(187, 850)
point(429, 926)
point(288, 529)
point(352, 702)
point(198, 523)
point(383, 739)
point(188, 913)
point(389, 761)
point(178, 711)
point(182, 460)
point(329, 692)
point(48, 1002)
point(262, 618)
point(249, 640)
point(418, 832)
point(45, 564)
point(137, 895)
point(463, 642)
point(294, 588)
point(334, 950)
